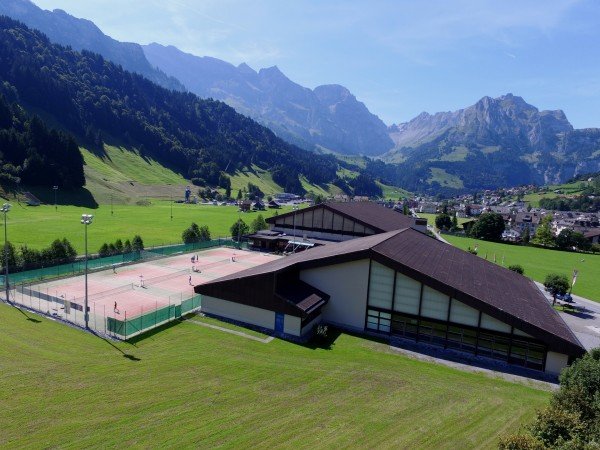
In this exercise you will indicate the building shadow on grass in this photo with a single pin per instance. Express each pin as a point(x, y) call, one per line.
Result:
point(154, 331)
point(323, 342)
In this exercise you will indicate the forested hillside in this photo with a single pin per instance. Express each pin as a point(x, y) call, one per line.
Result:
point(32, 154)
point(97, 100)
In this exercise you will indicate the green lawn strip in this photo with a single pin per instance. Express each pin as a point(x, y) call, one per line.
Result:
point(227, 325)
point(191, 386)
point(538, 262)
point(431, 219)
point(39, 226)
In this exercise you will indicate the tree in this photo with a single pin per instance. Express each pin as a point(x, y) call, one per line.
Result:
point(405, 210)
point(565, 240)
point(11, 255)
point(517, 268)
point(543, 235)
point(258, 224)
point(580, 242)
point(30, 257)
point(239, 194)
point(572, 419)
point(191, 234)
point(119, 246)
point(127, 246)
point(489, 227)
point(137, 244)
point(526, 235)
point(454, 223)
point(443, 221)
point(204, 233)
point(104, 251)
point(238, 229)
point(556, 284)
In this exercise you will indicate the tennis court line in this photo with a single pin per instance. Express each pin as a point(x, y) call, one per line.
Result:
point(237, 333)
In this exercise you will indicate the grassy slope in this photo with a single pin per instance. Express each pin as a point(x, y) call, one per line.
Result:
point(38, 226)
point(444, 178)
point(190, 386)
point(538, 262)
point(568, 190)
point(393, 192)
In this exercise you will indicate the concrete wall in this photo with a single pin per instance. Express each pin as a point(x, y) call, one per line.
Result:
point(291, 325)
point(555, 362)
point(236, 311)
point(347, 286)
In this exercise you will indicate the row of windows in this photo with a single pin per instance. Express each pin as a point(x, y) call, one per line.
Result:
point(323, 219)
point(396, 292)
point(511, 349)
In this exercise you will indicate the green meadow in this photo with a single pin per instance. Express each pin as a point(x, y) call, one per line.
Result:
point(191, 386)
point(38, 226)
point(538, 262)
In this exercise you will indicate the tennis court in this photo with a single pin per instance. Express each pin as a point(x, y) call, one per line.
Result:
point(126, 300)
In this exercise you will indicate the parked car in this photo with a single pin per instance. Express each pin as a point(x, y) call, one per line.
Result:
point(565, 298)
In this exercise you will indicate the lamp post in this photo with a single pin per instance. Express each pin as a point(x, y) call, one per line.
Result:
point(239, 228)
point(5, 209)
point(86, 219)
point(295, 208)
point(55, 188)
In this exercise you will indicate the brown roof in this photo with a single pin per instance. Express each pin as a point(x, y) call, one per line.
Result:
point(592, 233)
point(370, 214)
point(497, 291)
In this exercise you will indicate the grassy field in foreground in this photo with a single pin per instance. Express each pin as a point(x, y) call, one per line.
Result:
point(191, 386)
point(538, 262)
point(39, 226)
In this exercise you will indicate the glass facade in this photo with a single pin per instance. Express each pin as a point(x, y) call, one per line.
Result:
point(401, 306)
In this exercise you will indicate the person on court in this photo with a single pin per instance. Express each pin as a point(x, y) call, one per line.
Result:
point(190, 280)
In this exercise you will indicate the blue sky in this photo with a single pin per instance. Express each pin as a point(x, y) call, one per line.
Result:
point(398, 57)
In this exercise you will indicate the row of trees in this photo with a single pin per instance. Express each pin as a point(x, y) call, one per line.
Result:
point(240, 228)
point(24, 258)
point(119, 247)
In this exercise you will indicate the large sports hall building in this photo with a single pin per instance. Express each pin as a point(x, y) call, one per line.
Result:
point(381, 274)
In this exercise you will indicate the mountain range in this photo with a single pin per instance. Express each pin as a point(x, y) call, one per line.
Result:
point(495, 142)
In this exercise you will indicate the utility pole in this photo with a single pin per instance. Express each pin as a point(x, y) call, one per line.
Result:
point(86, 219)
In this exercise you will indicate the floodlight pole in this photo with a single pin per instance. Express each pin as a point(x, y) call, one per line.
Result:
point(295, 208)
point(86, 219)
point(55, 191)
point(239, 229)
point(5, 209)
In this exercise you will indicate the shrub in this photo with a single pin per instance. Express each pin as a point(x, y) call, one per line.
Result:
point(137, 244)
point(516, 268)
point(238, 229)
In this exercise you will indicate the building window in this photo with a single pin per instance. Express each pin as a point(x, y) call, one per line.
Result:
point(404, 326)
point(381, 286)
point(378, 321)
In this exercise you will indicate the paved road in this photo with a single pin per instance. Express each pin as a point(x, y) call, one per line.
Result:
point(584, 323)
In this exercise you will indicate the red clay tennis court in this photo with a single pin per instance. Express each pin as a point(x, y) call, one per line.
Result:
point(141, 295)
